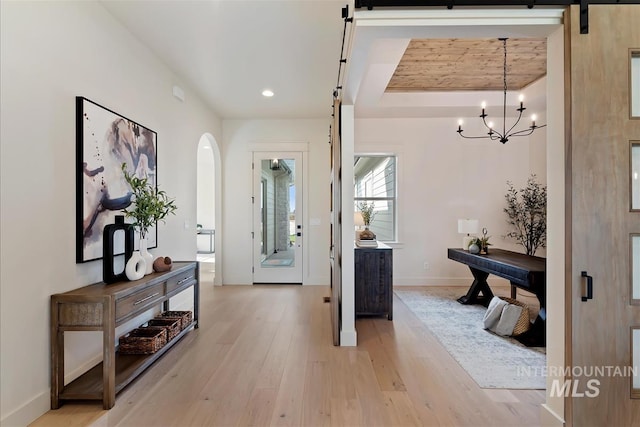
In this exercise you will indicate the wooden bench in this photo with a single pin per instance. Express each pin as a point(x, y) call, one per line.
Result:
point(523, 271)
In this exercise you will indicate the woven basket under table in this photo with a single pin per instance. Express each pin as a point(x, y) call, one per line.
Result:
point(146, 340)
point(523, 323)
point(171, 324)
point(186, 317)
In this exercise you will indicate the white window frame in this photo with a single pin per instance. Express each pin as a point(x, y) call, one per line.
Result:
point(393, 199)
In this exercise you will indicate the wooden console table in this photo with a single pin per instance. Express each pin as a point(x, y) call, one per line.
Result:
point(102, 307)
point(522, 271)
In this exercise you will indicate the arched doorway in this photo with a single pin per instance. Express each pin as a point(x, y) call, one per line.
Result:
point(208, 211)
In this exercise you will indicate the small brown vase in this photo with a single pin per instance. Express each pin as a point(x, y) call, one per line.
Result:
point(162, 264)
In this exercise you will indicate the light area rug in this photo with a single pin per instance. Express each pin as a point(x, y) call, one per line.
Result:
point(491, 360)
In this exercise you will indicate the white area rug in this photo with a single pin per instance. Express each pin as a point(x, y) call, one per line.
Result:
point(491, 360)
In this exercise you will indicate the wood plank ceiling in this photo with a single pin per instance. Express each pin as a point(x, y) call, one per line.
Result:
point(468, 64)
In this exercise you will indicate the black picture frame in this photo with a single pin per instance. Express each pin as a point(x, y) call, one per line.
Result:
point(105, 140)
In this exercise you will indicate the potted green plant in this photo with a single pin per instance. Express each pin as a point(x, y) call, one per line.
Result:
point(368, 213)
point(482, 243)
point(527, 213)
point(149, 206)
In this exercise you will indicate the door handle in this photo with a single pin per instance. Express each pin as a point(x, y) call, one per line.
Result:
point(589, 286)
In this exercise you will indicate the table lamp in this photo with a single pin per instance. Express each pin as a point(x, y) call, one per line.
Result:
point(358, 222)
point(468, 227)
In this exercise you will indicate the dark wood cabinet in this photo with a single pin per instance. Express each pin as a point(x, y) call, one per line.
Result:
point(374, 280)
point(103, 307)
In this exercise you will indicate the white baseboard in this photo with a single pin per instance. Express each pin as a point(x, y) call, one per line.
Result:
point(29, 412)
point(317, 281)
point(549, 418)
point(83, 368)
point(348, 338)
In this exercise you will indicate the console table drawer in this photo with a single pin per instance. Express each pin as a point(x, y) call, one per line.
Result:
point(180, 280)
point(135, 303)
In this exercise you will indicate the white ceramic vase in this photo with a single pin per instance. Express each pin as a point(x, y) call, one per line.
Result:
point(136, 266)
point(148, 258)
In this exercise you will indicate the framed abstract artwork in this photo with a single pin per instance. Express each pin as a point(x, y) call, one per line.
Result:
point(104, 141)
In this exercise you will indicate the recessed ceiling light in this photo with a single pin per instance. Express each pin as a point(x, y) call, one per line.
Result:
point(268, 93)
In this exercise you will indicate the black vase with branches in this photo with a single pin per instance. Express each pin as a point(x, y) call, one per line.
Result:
point(527, 213)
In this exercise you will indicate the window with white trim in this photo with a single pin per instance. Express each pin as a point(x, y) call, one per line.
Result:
point(375, 182)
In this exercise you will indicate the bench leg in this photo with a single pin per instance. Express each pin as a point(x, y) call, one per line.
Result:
point(479, 285)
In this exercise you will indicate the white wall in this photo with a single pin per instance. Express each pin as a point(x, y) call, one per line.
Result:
point(50, 53)
point(239, 137)
point(553, 411)
point(441, 178)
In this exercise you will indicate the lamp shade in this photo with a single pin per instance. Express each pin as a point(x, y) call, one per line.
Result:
point(357, 219)
point(467, 226)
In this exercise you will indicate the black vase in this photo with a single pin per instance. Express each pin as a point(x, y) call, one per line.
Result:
point(108, 275)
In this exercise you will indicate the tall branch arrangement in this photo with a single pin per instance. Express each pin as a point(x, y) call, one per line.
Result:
point(149, 206)
point(367, 212)
point(527, 213)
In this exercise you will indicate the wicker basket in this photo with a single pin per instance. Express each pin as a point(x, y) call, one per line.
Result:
point(172, 325)
point(186, 317)
point(145, 340)
point(523, 324)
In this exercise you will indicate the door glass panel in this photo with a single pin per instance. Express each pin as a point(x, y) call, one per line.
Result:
point(278, 219)
point(635, 361)
point(635, 176)
point(635, 84)
point(635, 268)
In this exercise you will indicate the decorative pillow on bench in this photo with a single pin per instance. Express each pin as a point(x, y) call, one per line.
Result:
point(506, 317)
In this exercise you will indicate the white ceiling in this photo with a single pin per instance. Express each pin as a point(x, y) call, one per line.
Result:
point(230, 50)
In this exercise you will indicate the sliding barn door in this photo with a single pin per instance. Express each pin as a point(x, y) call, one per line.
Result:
point(603, 225)
point(336, 223)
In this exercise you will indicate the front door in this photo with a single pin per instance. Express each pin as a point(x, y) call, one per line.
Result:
point(603, 223)
point(277, 217)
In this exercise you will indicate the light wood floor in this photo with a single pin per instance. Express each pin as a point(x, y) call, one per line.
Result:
point(263, 356)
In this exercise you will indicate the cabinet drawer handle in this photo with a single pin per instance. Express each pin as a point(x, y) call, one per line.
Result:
point(180, 282)
point(146, 298)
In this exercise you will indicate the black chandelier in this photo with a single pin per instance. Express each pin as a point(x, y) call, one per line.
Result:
point(506, 134)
